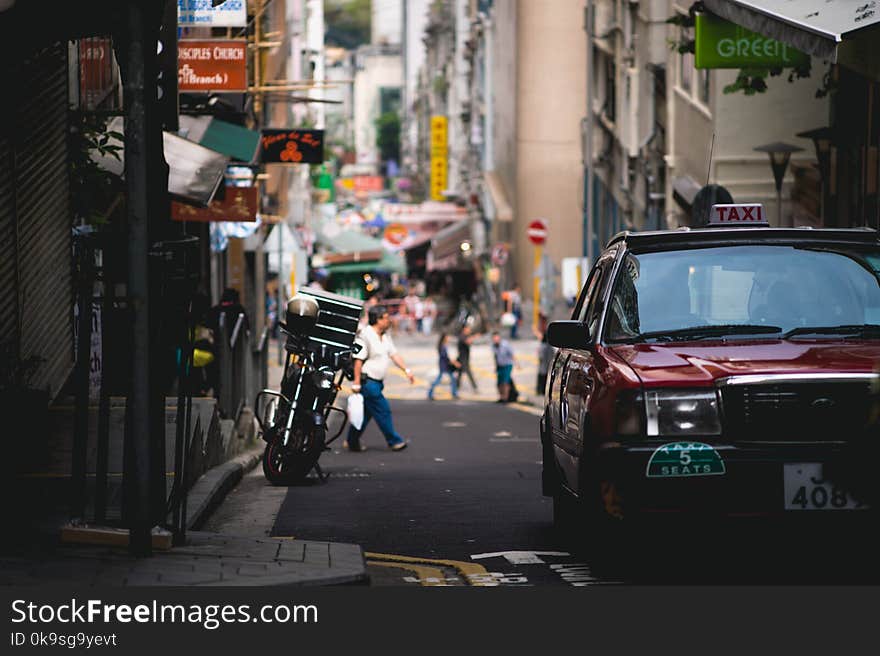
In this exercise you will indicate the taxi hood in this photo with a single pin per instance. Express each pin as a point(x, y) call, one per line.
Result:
point(694, 363)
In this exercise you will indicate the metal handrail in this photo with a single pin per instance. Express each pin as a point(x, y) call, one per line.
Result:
point(264, 336)
point(236, 330)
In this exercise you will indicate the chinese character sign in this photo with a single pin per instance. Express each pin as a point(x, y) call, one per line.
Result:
point(439, 155)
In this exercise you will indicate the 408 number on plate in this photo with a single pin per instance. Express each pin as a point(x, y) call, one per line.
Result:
point(806, 489)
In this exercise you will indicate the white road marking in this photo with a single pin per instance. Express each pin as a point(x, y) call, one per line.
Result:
point(514, 439)
point(520, 557)
point(453, 424)
point(503, 434)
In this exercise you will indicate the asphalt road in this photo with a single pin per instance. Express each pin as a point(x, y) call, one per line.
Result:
point(463, 505)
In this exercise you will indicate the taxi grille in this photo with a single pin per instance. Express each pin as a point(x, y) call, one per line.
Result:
point(795, 412)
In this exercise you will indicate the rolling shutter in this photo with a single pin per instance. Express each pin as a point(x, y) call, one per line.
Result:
point(35, 215)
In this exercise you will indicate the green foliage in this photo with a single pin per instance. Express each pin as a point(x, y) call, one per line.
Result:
point(754, 80)
point(348, 22)
point(92, 188)
point(388, 136)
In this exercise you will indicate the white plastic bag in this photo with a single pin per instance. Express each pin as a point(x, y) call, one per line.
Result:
point(356, 410)
point(508, 319)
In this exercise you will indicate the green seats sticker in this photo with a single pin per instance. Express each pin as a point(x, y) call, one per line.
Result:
point(679, 459)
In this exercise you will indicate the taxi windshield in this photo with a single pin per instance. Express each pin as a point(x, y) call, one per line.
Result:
point(746, 292)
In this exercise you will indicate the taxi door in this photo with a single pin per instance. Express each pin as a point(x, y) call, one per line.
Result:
point(577, 378)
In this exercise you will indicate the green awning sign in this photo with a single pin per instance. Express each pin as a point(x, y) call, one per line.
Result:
point(680, 459)
point(722, 44)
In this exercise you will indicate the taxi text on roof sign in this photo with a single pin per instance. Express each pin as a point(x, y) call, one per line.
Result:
point(738, 214)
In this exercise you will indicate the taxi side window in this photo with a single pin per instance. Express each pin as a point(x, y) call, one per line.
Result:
point(590, 309)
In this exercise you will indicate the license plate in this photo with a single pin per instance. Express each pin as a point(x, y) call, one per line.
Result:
point(806, 489)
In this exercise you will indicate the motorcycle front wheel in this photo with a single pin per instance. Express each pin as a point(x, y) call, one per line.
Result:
point(288, 465)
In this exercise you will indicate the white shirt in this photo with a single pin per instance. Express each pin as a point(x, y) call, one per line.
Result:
point(375, 351)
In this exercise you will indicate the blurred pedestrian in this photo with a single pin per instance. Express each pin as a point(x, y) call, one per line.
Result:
point(446, 367)
point(514, 306)
point(465, 340)
point(371, 302)
point(504, 363)
point(545, 353)
point(370, 367)
point(429, 311)
point(410, 303)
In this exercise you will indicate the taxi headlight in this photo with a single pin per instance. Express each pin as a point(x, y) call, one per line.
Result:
point(682, 412)
point(629, 413)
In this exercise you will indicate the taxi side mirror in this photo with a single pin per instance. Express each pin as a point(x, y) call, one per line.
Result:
point(568, 334)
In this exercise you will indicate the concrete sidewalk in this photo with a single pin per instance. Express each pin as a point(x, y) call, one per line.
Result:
point(207, 559)
point(32, 553)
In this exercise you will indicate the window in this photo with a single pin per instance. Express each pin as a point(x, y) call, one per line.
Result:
point(776, 288)
point(686, 71)
point(610, 109)
point(591, 309)
point(703, 86)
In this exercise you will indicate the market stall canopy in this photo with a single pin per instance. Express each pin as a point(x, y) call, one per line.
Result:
point(387, 263)
point(195, 172)
point(447, 252)
point(346, 241)
point(239, 143)
point(836, 30)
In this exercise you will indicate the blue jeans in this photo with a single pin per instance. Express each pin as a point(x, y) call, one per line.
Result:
point(437, 380)
point(375, 407)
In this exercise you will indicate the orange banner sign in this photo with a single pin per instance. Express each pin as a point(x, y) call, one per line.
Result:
point(240, 204)
point(212, 65)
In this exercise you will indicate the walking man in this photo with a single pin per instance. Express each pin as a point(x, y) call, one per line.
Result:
point(504, 362)
point(465, 339)
point(370, 366)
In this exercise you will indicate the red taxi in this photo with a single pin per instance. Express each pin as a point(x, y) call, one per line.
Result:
point(722, 369)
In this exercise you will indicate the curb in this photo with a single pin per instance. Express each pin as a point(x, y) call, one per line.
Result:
point(207, 492)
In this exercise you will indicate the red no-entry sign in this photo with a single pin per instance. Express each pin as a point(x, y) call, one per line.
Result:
point(537, 231)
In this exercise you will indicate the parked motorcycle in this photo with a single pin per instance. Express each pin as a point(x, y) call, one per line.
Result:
point(319, 331)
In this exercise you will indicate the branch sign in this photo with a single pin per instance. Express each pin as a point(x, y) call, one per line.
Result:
point(537, 232)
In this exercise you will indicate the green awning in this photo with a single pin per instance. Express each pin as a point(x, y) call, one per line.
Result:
point(390, 263)
point(233, 140)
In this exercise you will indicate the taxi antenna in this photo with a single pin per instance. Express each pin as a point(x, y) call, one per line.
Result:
point(711, 150)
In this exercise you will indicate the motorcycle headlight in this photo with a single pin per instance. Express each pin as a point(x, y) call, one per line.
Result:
point(682, 412)
point(324, 378)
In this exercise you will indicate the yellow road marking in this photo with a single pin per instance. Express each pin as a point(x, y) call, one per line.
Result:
point(532, 410)
point(426, 575)
point(473, 573)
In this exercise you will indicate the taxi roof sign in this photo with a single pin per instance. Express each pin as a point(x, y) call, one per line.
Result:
point(738, 214)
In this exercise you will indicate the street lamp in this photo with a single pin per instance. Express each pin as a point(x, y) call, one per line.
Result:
point(823, 139)
point(779, 154)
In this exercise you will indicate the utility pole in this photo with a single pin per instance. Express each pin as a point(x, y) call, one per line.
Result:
point(588, 139)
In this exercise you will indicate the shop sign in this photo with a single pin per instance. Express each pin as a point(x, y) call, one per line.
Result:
point(722, 44)
point(369, 183)
point(96, 78)
point(439, 155)
point(499, 254)
point(396, 233)
point(292, 146)
point(202, 13)
point(238, 205)
point(212, 65)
